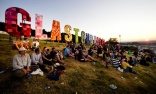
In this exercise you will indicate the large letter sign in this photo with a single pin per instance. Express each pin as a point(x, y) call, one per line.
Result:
point(11, 22)
point(83, 37)
point(97, 40)
point(91, 39)
point(87, 38)
point(103, 42)
point(67, 29)
point(38, 27)
point(76, 35)
point(94, 39)
point(56, 30)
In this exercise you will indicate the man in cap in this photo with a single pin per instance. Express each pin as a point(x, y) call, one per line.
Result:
point(21, 63)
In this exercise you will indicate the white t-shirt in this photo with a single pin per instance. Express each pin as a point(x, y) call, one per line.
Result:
point(35, 43)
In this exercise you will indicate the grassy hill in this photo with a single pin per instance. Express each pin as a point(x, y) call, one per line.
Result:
point(83, 78)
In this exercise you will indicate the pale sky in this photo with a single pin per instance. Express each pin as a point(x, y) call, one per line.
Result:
point(134, 20)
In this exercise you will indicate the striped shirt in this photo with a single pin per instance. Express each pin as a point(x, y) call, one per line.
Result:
point(115, 63)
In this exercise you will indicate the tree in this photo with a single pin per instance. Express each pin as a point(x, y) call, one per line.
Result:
point(113, 41)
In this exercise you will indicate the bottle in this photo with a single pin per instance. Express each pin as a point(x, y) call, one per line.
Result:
point(29, 75)
point(64, 57)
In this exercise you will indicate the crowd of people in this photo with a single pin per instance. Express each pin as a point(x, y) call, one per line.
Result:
point(53, 61)
point(25, 43)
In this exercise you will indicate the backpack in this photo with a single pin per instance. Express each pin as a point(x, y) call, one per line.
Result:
point(53, 76)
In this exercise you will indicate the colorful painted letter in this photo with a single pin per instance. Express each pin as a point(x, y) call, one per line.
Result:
point(67, 29)
point(83, 37)
point(94, 39)
point(38, 28)
point(12, 25)
point(87, 38)
point(91, 39)
point(76, 35)
point(56, 30)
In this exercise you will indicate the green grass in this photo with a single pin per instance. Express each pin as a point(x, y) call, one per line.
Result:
point(83, 78)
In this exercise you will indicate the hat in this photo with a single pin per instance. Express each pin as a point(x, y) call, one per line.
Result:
point(22, 49)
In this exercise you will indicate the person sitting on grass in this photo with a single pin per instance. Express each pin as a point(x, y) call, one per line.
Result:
point(114, 54)
point(86, 55)
point(115, 62)
point(107, 58)
point(81, 57)
point(154, 60)
point(72, 47)
point(135, 60)
point(143, 61)
point(99, 53)
point(57, 56)
point(127, 67)
point(17, 43)
point(46, 57)
point(36, 58)
point(130, 61)
point(67, 52)
point(26, 43)
point(35, 44)
point(21, 63)
point(91, 51)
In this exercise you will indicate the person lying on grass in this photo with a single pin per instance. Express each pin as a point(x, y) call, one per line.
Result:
point(21, 63)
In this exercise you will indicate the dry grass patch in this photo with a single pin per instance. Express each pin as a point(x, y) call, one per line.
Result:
point(83, 78)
